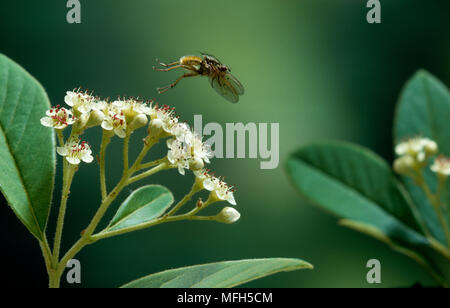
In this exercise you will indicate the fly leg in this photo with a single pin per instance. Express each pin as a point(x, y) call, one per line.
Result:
point(168, 67)
point(173, 84)
point(173, 65)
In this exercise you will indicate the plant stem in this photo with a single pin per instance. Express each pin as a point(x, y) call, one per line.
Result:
point(147, 173)
point(442, 194)
point(69, 171)
point(439, 247)
point(86, 238)
point(150, 164)
point(202, 218)
point(147, 146)
point(54, 280)
point(163, 219)
point(105, 141)
point(183, 201)
point(46, 252)
point(126, 142)
point(60, 137)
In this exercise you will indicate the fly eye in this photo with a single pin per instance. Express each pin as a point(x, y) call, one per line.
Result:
point(223, 68)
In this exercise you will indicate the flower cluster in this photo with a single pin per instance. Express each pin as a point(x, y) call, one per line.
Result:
point(419, 149)
point(414, 154)
point(186, 150)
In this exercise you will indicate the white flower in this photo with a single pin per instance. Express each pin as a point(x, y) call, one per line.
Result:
point(100, 105)
point(132, 107)
point(188, 152)
point(181, 131)
point(220, 190)
point(58, 118)
point(199, 150)
point(168, 118)
point(441, 166)
point(81, 102)
point(74, 151)
point(228, 215)
point(178, 154)
point(115, 121)
point(418, 148)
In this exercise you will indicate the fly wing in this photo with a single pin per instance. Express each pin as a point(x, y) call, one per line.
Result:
point(235, 83)
point(228, 87)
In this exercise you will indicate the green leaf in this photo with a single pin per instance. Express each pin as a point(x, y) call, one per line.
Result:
point(143, 205)
point(225, 274)
point(27, 149)
point(355, 184)
point(424, 110)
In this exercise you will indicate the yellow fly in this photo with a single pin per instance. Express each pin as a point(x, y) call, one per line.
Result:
point(219, 75)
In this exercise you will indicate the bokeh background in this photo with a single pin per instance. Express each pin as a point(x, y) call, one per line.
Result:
point(316, 67)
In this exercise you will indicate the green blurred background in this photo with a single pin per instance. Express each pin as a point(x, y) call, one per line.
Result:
point(316, 67)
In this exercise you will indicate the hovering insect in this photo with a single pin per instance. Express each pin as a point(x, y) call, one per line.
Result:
point(219, 75)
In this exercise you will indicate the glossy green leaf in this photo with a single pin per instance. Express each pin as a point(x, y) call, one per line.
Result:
point(424, 110)
point(27, 149)
point(355, 184)
point(143, 205)
point(218, 275)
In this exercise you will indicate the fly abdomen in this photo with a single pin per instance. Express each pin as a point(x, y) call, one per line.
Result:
point(190, 60)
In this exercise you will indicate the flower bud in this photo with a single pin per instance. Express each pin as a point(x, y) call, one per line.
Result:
point(228, 215)
point(431, 148)
point(82, 120)
point(404, 164)
point(196, 164)
point(155, 128)
point(95, 118)
point(138, 121)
